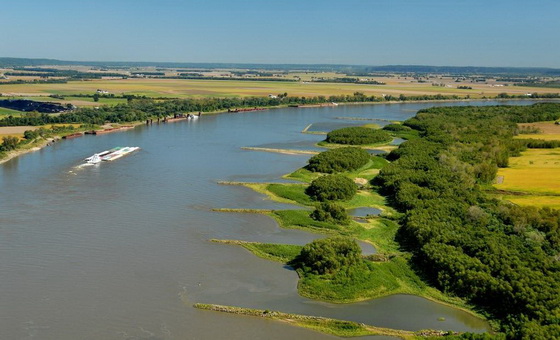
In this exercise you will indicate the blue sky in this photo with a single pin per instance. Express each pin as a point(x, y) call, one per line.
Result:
point(368, 32)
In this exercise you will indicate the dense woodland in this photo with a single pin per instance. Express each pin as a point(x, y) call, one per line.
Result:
point(502, 257)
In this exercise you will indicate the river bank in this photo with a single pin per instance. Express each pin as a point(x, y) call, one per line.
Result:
point(18, 152)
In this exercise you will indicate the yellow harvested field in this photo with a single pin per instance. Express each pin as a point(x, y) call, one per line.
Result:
point(550, 131)
point(535, 200)
point(537, 173)
point(539, 136)
point(18, 131)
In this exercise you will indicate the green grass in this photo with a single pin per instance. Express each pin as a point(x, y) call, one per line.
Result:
point(282, 253)
point(299, 219)
point(303, 175)
point(408, 135)
point(292, 192)
point(8, 112)
point(381, 233)
point(368, 171)
point(295, 193)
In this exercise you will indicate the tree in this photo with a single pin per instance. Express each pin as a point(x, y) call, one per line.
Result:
point(330, 212)
point(328, 256)
point(338, 160)
point(9, 143)
point(332, 188)
point(358, 136)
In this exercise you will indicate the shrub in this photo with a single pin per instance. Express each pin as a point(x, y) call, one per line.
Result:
point(358, 136)
point(330, 212)
point(328, 256)
point(332, 188)
point(396, 127)
point(9, 143)
point(337, 160)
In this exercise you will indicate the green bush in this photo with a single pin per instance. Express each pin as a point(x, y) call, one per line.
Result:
point(332, 188)
point(396, 127)
point(9, 143)
point(328, 256)
point(330, 212)
point(358, 136)
point(338, 160)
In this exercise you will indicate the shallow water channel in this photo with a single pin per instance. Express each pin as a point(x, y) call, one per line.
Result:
point(121, 250)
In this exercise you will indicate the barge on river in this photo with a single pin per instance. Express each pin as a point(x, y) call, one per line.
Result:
point(111, 155)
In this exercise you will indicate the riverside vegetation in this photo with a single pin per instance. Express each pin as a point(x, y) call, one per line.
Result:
point(500, 257)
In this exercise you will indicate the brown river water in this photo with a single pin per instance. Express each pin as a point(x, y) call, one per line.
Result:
point(121, 250)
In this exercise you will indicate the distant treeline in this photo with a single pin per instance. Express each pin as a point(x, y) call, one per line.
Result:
point(347, 80)
point(70, 74)
point(502, 257)
point(355, 69)
point(34, 81)
point(197, 76)
point(552, 84)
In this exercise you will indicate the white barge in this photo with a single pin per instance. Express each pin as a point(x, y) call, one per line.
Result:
point(111, 155)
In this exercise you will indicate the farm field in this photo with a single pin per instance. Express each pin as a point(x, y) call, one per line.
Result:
point(17, 131)
point(549, 131)
point(535, 174)
point(188, 88)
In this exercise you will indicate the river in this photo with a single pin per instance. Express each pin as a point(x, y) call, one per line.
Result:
point(121, 250)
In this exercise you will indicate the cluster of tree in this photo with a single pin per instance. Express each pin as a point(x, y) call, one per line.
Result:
point(68, 74)
point(139, 108)
point(35, 81)
point(330, 212)
point(332, 188)
point(339, 160)
point(358, 136)
point(502, 257)
point(530, 95)
point(9, 143)
point(396, 127)
point(196, 76)
point(464, 87)
point(328, 256)
point(539, 83)
point(347, 80)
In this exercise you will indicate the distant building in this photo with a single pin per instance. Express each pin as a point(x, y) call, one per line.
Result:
point(102, 91)
point(272, 96)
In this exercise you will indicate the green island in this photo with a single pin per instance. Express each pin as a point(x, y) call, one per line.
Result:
point(443, 234)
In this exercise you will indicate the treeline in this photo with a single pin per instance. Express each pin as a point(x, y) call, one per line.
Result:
point(348, 80)
point(203, 77)
point(536, 83)
point(138, 109)
point(69, 74)
point(503, 258)
point(34, 81)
